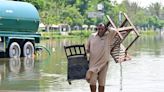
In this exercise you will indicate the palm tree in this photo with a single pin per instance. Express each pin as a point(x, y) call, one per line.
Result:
point(155, 9)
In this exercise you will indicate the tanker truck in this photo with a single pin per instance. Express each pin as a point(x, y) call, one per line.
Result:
point(19, 23)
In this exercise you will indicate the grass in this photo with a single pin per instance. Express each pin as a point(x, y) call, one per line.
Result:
point(72, 34)
point(149, 32)
point(84, 34)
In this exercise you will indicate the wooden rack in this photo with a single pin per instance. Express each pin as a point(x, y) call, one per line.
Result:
point(119, 51)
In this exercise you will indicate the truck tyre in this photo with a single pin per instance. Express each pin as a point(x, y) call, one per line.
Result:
point(14, 50)
point(28, 49)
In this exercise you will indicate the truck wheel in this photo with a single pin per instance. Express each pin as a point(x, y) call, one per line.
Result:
point(28, 49)
point(14, 50)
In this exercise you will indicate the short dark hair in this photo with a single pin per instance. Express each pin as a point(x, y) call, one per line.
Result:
point(101, 24)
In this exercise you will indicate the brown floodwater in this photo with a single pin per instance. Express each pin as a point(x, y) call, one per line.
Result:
point(47, 71)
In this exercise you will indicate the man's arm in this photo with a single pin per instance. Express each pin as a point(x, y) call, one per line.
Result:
point(88, 45)
point(111, 35)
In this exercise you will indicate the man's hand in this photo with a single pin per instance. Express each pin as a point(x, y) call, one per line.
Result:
point(88, 76)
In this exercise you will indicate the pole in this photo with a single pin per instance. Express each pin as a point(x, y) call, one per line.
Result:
point(121, 76)
point(120, 18)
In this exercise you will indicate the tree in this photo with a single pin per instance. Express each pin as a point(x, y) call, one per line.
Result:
point(155, 9)
point(72, 16)
point(75, 12)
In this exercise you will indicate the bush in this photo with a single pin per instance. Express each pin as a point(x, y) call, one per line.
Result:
point(83, 33)
point(57, 34)
point(149, 32)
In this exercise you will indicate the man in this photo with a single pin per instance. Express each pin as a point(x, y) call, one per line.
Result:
point(98, 47)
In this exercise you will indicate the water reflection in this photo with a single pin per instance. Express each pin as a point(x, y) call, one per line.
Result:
point(47, 73)
point(14, 65)
point(2, 71)
point(28, 63)
point(18, 72)
point(121, 78)
point(126, 77)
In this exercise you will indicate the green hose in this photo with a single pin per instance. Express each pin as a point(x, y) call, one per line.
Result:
point(49, 57)
point(44, 48)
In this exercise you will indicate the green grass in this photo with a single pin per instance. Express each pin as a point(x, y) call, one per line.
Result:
point(71, 34)
point(84, 34)
point(149, 32)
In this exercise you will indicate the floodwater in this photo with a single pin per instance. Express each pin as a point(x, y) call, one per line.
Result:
point(48, 73)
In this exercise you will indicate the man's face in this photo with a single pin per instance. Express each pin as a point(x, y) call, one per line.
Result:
point(101, 30)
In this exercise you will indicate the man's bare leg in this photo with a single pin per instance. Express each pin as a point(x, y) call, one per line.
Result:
point(101, 88)
point(93, 88)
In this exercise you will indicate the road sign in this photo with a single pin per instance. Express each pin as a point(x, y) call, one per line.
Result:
point(95, 14)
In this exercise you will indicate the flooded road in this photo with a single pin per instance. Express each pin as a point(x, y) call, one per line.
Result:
point(48, 73)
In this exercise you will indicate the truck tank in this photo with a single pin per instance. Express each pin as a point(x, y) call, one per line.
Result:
point(18, 16)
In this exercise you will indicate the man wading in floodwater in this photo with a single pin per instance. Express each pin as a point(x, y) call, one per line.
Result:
point(98, 47)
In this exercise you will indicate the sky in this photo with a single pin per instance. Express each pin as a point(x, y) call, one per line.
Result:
point(143, 3)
